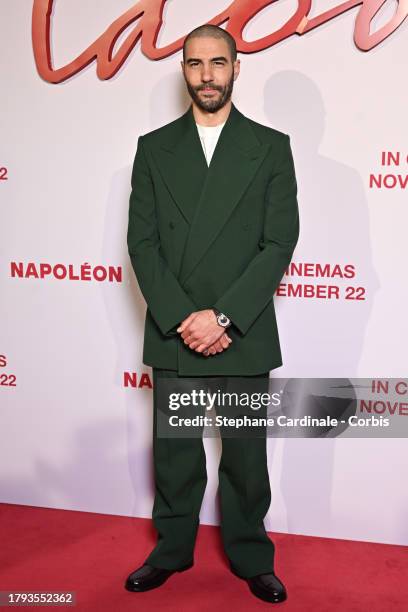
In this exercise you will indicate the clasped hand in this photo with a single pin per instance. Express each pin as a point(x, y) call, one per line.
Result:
point(201, 332)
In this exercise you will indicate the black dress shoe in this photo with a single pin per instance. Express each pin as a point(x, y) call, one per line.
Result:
point(266, 586)
point(147, 577)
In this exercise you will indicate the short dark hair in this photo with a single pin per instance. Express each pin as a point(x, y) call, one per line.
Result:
point(213, 31)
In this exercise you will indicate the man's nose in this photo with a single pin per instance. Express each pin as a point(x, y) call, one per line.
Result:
point(206, 74)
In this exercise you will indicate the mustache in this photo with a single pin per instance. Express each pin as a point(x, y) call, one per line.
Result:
point(202, 87)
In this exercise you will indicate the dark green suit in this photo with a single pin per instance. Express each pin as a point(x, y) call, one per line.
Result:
point(218, 236)
point(201, 237)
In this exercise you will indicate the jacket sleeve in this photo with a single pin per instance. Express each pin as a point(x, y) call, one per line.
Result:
point(165, 298)
point(247, 297)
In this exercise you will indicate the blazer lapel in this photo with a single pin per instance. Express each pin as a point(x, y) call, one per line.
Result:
point(207, 195)
point(236, 159)
point(182, 164)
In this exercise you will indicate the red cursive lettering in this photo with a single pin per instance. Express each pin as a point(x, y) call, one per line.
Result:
point(146, 18)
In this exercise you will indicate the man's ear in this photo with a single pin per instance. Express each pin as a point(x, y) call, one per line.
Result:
point(237, 67)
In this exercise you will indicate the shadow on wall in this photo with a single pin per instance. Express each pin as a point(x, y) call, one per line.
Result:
point(334, 229)
point(319, 338)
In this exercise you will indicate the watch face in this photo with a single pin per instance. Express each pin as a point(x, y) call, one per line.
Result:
point(223, 320)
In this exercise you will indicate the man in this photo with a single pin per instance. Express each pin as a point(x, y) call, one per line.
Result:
point(213, 222)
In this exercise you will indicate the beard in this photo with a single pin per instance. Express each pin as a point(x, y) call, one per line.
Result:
point(213, 104)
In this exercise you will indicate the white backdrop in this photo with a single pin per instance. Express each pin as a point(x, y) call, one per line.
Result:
point(73, 433)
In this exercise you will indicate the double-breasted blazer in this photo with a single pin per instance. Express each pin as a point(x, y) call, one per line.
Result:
point(219, 236)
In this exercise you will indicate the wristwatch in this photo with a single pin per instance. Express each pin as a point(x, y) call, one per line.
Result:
point(222, 319)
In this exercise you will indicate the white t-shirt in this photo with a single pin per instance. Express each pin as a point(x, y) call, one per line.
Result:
point(209, 138)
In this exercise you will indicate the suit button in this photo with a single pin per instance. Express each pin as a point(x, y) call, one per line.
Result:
point(171, 225)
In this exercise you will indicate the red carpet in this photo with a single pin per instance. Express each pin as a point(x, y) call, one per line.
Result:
point(44, 549)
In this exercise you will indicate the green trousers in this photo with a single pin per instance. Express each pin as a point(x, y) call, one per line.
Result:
point(180, 479)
